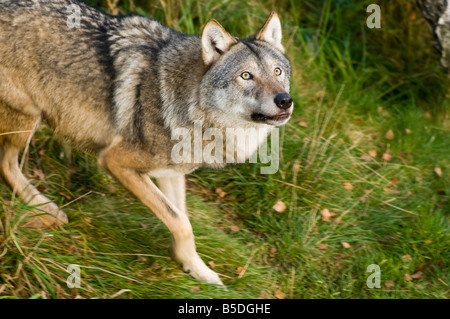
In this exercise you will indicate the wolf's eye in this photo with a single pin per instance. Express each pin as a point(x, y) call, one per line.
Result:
point(246, 76)
point(278, 71)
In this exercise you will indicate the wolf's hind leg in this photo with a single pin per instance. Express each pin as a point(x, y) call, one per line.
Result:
point(15, 131)
point(118, 162)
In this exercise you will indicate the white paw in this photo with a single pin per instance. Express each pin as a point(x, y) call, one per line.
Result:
point(197, 269)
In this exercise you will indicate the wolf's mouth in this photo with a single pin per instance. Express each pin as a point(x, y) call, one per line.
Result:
point(258, 117)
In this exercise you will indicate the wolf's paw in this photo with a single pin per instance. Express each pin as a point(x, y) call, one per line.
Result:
point(197, 269)
point(46, 216)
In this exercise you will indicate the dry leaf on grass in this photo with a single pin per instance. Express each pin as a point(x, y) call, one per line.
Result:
point(303, 124)
point(407, 258)
point(279, 206)
point(366, 158)
point(348, 186)
point(394, 180)
point(408, 277)
point(38, 174)
point(387, 156)
point(235, 228)
point(279, 295)
point(391, 191)
point(345, 245)
point(212, 264)
point(196, 288)
point(438, 171)
point(389, 135)
point(373, 153)
point(220, 192)
point(417, 275)
point(322, 246)
point(389, 284)
point(326, 215)
point(240, 271)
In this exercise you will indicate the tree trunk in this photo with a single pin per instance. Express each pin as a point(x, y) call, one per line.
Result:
point(437, 13)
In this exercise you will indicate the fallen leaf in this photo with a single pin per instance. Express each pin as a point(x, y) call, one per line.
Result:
point(392, 191)
point(387, 156)
point(345, 245)
point(38, 174)
point(67, 196)
point(407, 258)
point(389, 284)
point(141, 259)
point(389, 135)
point(303, 124)
point(220, 192)
point(326, 215)
point(394, 180)
point(144, 226)
point(428, 241)
point(196, 288)
point(368, 191)
point(212, 263)
point(373, 153)
point(240, 271)
point(366, 158)
point(408, 131)
point(279, 206)
point(279, 295)
point(264, 295)
point(412, 16)
point(235, 228)
point(438, 171)
point(408, 277)
point(322, 246)
point(273, 250)
point(319, 94)
point(357, 122)
point(362, 199)
point(348, 186)
point(72, 249)
point(417, 275)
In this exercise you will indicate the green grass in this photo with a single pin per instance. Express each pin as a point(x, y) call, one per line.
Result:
point(351, 85)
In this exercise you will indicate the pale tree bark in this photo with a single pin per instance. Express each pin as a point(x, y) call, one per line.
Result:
point(437, 13)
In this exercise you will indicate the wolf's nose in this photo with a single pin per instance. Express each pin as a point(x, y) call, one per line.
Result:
point(283, 101)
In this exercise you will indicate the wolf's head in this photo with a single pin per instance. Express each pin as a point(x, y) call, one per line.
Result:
point(247, 79)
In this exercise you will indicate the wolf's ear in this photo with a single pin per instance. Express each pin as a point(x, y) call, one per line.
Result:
point(215, 41)
point(271, 32)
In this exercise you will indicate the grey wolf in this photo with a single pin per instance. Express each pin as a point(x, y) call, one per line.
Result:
point(118, 86)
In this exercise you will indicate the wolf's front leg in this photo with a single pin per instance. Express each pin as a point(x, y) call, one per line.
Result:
point(183, 248)
point(183, 245)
